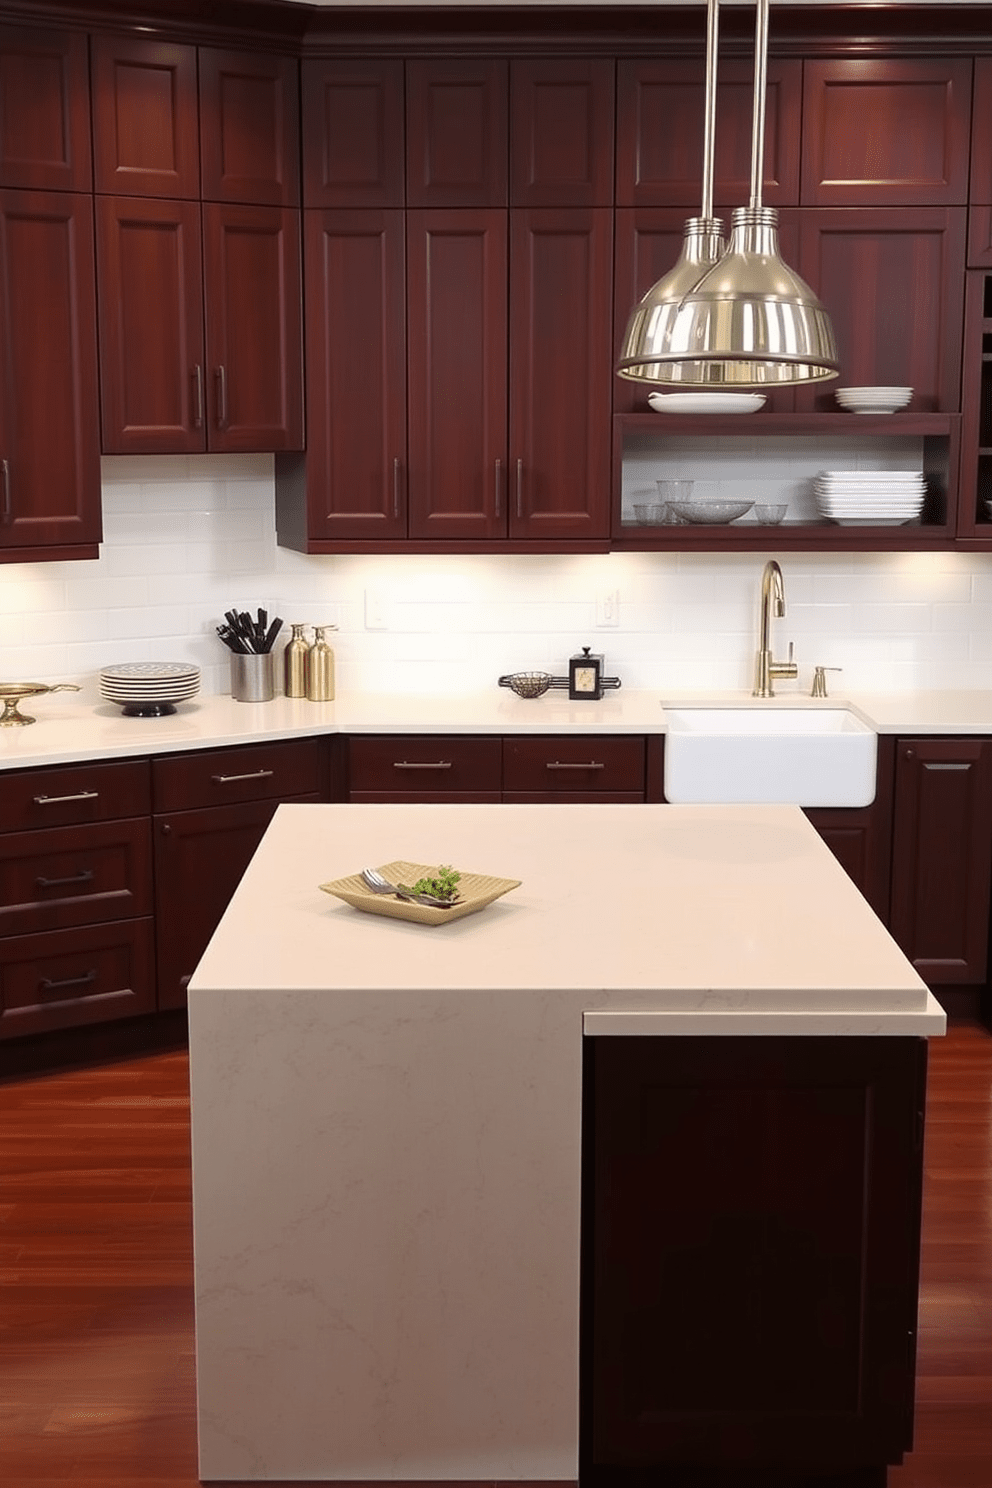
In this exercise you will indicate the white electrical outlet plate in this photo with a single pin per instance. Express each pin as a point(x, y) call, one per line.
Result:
point(375, 610)
point(608, 609)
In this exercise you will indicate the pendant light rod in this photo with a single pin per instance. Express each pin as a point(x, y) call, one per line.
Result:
point(760, 88)
point(709, 115)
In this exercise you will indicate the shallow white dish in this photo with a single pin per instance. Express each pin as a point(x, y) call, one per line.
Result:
point(706, 402)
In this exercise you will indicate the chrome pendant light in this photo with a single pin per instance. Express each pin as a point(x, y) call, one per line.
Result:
point(748, 321)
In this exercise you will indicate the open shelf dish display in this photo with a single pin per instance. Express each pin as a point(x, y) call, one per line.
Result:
point(902, 468)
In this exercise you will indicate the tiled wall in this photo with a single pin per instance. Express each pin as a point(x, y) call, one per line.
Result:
point(187, 538)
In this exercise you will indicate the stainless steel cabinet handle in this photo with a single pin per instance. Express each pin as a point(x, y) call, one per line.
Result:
point(57, 800)
point(49, 985)
point(520, 488)
point(198, 396)
point(6, 510)
point(499, 487)
point(252, 775)
point(421, 764)
point(396, 488)
point(222, 397)
point(74, 878)
point(946, 765)
point(569, 765)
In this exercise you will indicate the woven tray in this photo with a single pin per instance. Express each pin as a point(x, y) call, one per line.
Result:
point(475, 891)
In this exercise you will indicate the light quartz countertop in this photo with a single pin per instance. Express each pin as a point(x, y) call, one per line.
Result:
point(77, 727)
point(386, 1116)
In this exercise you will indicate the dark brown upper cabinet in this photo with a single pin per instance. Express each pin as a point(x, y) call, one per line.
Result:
point(249, 128)
point(660, 112)
point(353, 133)
point(457, 123)
point(892, 281)
point(213, 359)
point(172, 121)
point(49, 415)
point(561, 132)
point(648, 241)
point(44, 110)
point(981, 134)
point(146, 138)
point(886, 131)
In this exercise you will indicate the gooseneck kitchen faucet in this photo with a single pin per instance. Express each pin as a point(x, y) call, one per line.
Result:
point(766, 668)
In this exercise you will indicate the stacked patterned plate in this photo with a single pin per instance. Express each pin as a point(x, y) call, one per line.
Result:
point(149, 689)
point(873, 399)
point(870, 498)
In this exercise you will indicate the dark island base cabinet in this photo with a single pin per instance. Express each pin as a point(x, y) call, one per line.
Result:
point(750, 1260)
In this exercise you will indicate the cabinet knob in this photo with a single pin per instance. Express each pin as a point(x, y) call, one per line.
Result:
point(910, 754)
point(166, 829)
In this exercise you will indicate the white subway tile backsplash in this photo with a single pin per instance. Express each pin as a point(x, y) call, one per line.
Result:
point(187, 537)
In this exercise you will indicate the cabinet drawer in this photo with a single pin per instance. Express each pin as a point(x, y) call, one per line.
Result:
point(77, 793)
point(419, 765)
point(561, 763)
point(223, 777)
point(75, 876)
point(88, 975)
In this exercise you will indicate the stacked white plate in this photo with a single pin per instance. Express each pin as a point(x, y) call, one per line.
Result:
point(149, 689)
point(873, 399)
point(870, 498)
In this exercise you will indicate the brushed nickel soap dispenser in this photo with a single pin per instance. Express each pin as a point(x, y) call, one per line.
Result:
point(320, 667)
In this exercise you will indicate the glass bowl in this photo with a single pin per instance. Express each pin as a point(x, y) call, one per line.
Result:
point(711, 512)
point(653, 515)
point(770, 515)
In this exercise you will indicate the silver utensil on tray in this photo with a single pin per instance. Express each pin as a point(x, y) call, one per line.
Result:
point(379, 885)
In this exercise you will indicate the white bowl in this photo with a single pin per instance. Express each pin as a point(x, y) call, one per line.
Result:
point(873, 399)
point(706, 402)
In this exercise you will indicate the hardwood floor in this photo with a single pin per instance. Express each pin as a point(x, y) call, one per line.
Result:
point(96, 1312)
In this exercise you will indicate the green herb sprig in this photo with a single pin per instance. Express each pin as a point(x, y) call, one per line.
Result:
point(443, 886)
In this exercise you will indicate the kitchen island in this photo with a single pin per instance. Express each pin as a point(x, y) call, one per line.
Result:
point(388, 1118)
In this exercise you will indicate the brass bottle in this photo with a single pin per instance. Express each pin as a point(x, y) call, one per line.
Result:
point(295, 658)
point(320, 679)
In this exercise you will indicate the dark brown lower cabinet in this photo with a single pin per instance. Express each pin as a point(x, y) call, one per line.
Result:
point(860, 838)
point(942, 857)
point(750, 1260)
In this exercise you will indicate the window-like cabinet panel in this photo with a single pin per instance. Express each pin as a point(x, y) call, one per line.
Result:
point(893, 283)
point(44, 109)
point(49, 414)
point(561, 132)
point(456, 132)
point(249, 128)
point(660, 115)
point(886, 131)
point(145, 118)
point(457, 365)
point(353, 133)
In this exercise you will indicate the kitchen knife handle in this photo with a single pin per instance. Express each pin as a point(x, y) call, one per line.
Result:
point(575, 765)
point(520, 488)
point(499, 488)
point(252, 775)
point(222, 397)
point(74, 878)
point(5, 510)
point(57, 800)
point(48, 984)
point(421, 764)
point(396, 489)
point(198, 396)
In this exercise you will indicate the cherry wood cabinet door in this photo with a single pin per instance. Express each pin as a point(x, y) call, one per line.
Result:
point(45, 110)
point(66, 876)
point(561, 132)
point(561, 297)
point(151, 343)
point(942, 856)
point(352, 483)
point(755, 1204)
point(254, 327)
point(660, 112)
point(249, 128)
point(49, 414)
point(648, 241)
point(457, 334)
point(980, 190)
point(66, 979)
point(146, 137)
point(892, 280)
point(457, 112)
point(886, 131)
point(353, 132)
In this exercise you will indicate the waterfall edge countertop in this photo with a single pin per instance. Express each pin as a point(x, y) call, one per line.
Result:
point(73, 727)
point(386, 1117)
